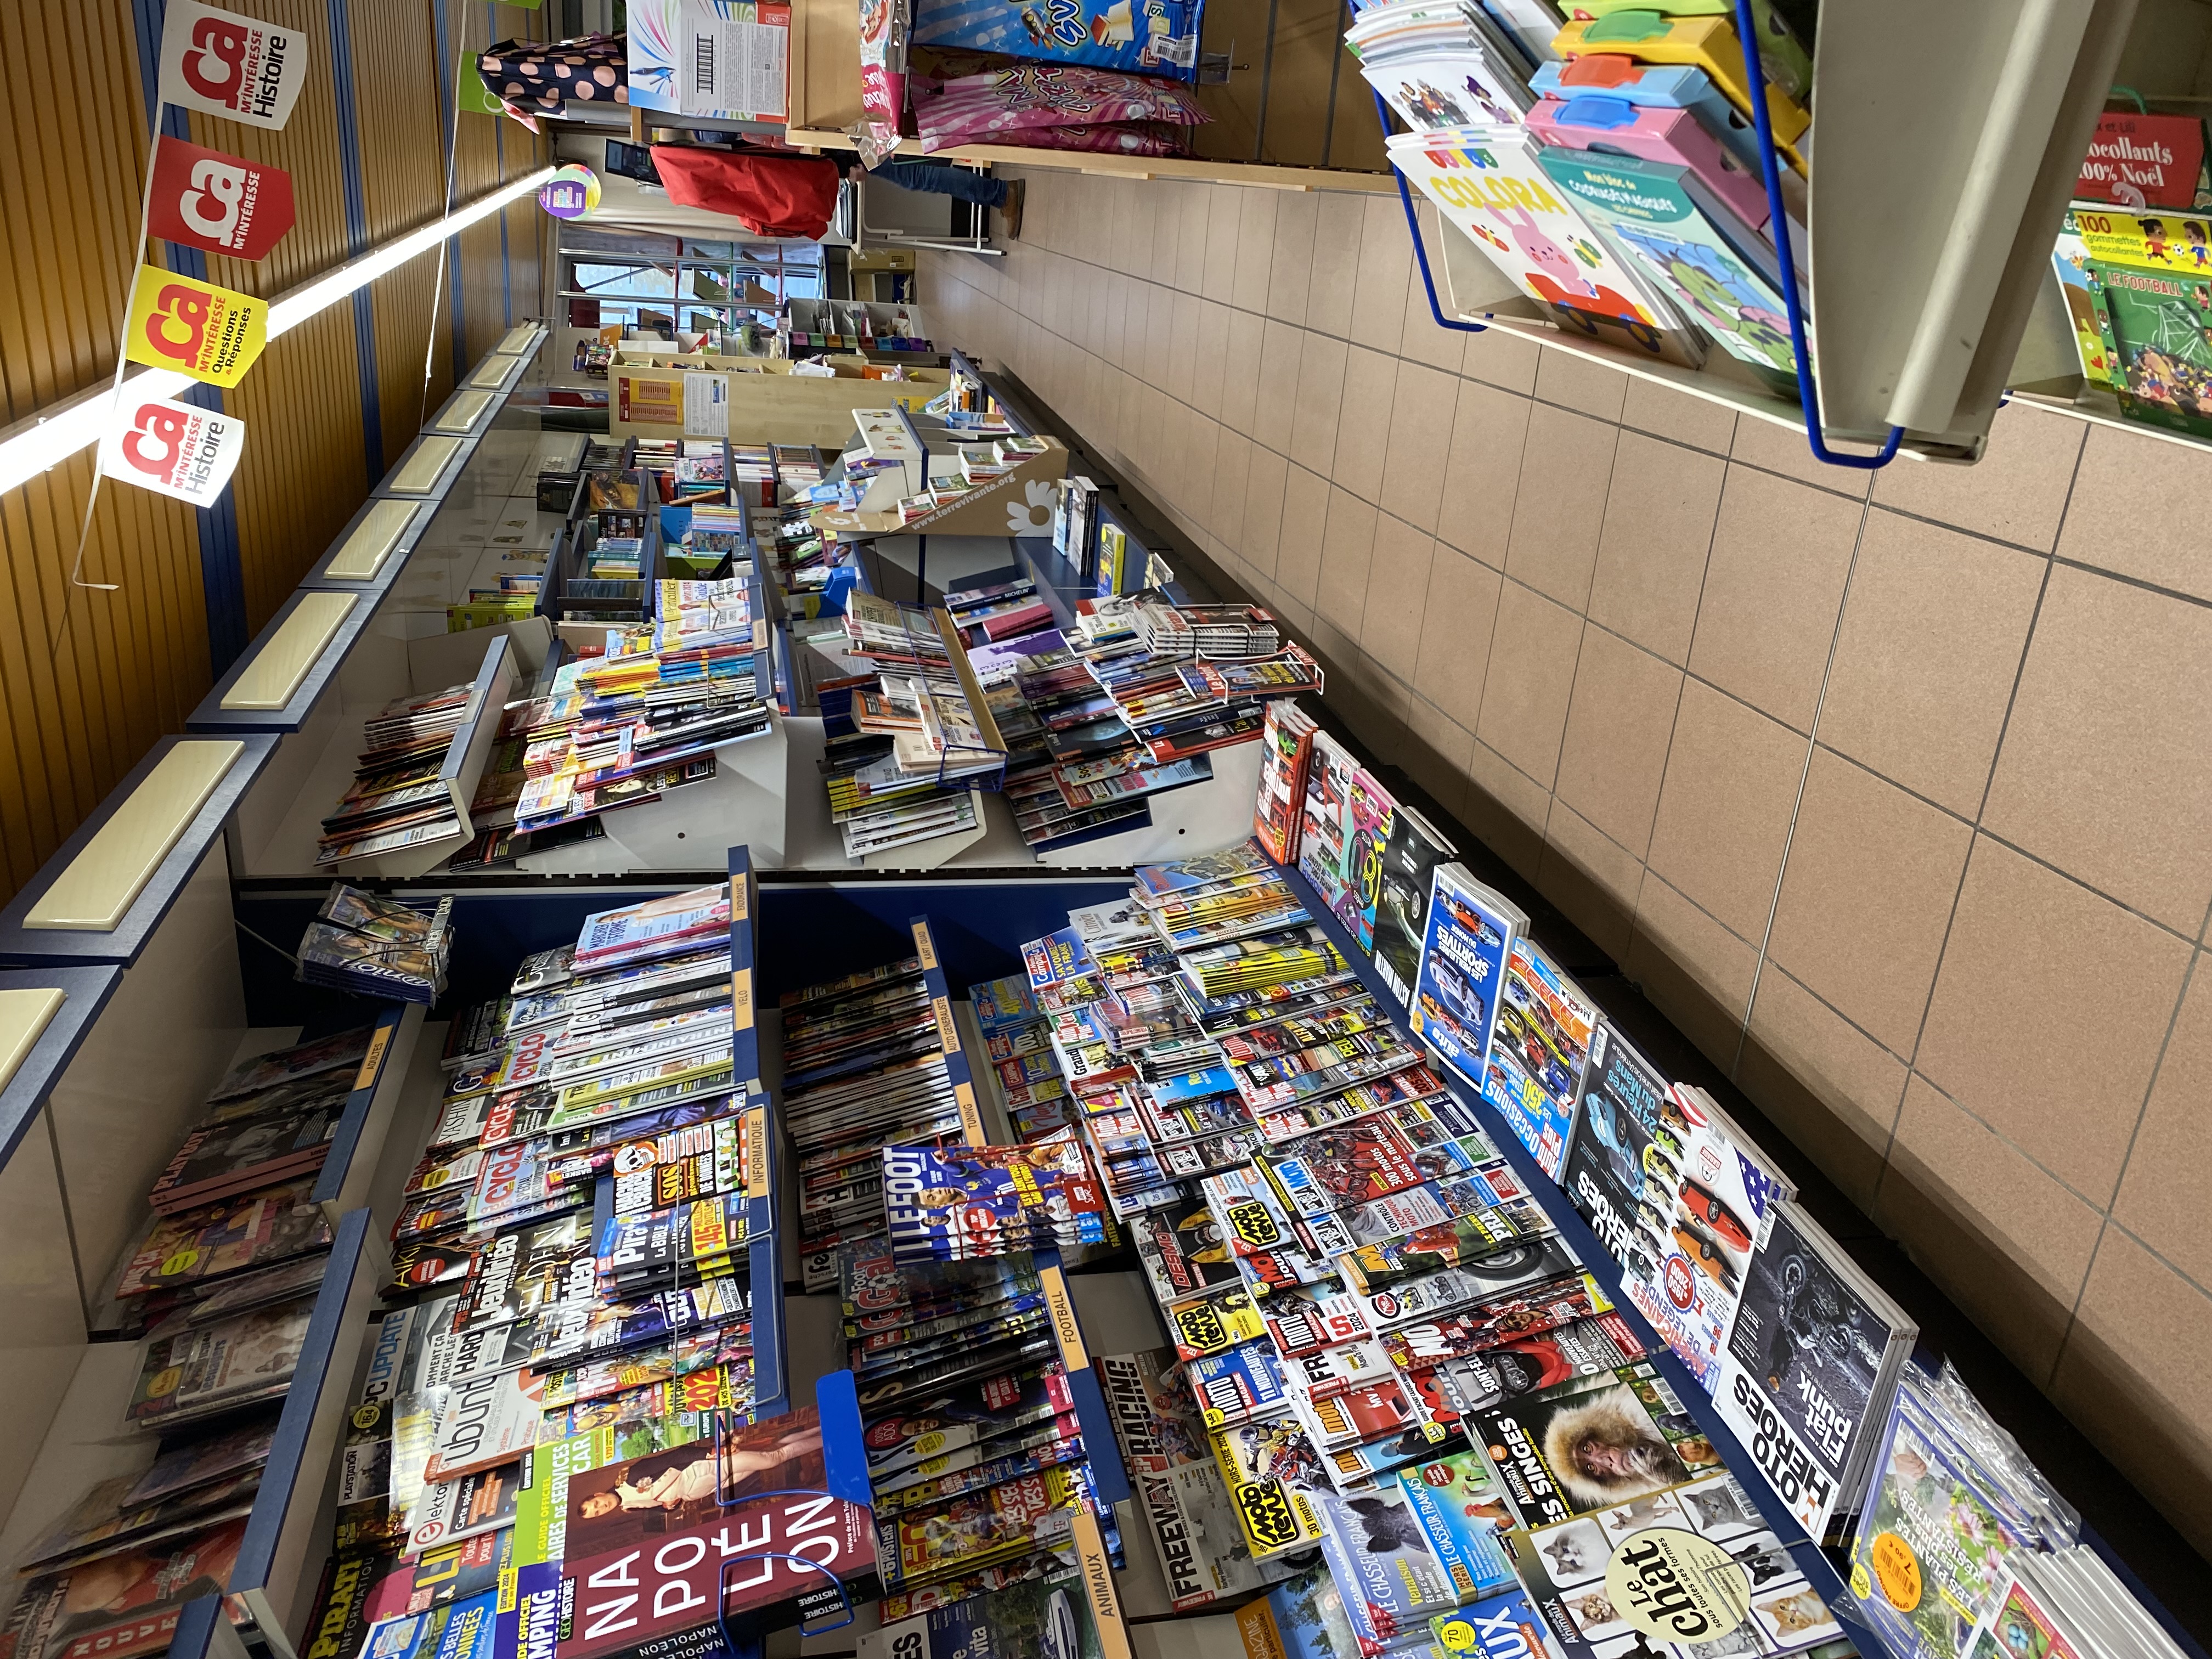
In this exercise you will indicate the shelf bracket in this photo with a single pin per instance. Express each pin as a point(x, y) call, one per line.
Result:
point(1420, 250)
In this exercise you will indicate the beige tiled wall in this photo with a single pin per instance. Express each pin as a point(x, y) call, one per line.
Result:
point(1894, 791)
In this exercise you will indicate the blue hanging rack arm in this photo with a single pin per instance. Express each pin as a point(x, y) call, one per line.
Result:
point(1809, 394)
point(1414, 228)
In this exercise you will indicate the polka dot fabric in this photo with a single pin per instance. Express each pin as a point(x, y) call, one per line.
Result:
point(534, 74)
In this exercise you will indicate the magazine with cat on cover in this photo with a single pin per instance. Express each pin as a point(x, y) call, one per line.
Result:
point(1808, 1367)
point(1391, 1578)
point(1533, 1070)
point(1607, 1583)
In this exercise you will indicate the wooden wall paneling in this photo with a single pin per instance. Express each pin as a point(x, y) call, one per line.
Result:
point(306, 147)
point(302, 477)
point(73, 218)
point(127, 664)
point(1308, 42)
point(403, 118)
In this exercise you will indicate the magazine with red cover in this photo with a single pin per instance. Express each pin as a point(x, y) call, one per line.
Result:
point(653, 1542)
point(128, 1601)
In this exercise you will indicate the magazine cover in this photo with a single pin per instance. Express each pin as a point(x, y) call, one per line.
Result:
point(1171, 1466)
point(1322, 823)
point(1683, 240)
point(1703, 1241)
point(1803, 1368)
point(1625, 1111)
point(1469, 936)
point(251, 1356)
point(1372, 1158)
point(1368, 812)
point(1541, 1308)
point(487, 1421)
point(1183, 1251)
point(1502, 1623)
point(1302, 1618)
point(1486, 180)
point(1533, 1069)
point(1274, 1475)
point(128, 1601)
point(631, 1577)
point(1456, 1503)
point(1595, 1441)
point(1928, 1556)
point(1048, 1616)
point(1286, 748)
point(1598, 1581)
point(1380, 1557)
point(1243, 1381)
point(1583, 1347)
point(1411, 858)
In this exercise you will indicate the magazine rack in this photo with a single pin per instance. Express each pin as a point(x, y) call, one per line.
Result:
point(1931, 282)
point(116, 1029)
point(1599, 1263)
point(321, 724)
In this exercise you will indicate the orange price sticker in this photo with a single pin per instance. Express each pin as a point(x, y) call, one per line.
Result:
point(1897, 1569)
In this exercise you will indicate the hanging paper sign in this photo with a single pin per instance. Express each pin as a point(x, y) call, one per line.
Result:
point(171, 448)
point(570, 193)
point(221, 64)
point(210, 333)
point(217, 202)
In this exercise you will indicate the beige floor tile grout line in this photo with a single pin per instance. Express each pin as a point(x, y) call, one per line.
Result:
point(1796, 804)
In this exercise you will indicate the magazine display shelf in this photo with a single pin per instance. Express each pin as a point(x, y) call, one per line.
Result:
point(973, 930)
point(115, 1031)
point(1805, 1552)
point(318, 734)
point(1931, 291)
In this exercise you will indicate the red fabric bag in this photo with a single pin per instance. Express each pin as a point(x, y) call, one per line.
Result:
point(768, 194)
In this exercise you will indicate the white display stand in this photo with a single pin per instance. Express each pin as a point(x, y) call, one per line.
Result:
point(689, 828)
point(1187, 822)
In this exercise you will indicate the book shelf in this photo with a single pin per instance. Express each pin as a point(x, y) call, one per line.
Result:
point(972, 931)
point(1944, 173)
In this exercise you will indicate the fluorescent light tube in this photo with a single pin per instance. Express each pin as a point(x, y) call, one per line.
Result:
point(45, 440)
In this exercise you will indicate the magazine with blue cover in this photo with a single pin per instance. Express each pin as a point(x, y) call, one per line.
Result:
point(1533, 1072)
point(1470, 935)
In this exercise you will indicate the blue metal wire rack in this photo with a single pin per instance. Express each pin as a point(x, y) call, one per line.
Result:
point(1808, 397)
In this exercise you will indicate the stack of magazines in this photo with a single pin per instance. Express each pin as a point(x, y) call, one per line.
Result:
point(905, 746)
point(974, 1450)
point(1130, 703)
point(378, 947)
point(961, 1203)
point(1395, 1358)
point(620, 730)
point(571, 1256)
point(863, 1071)
point(398, 798)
